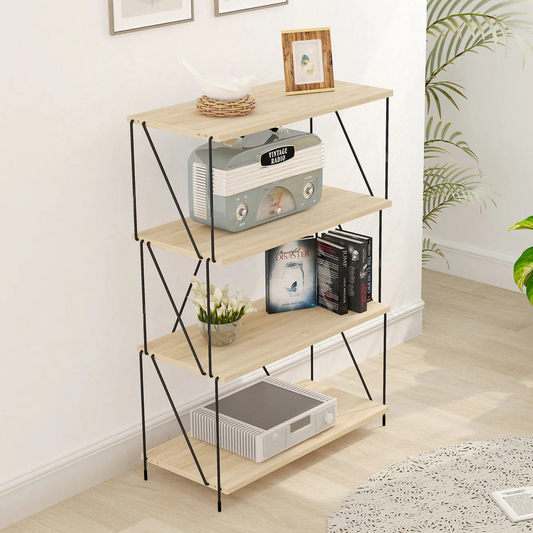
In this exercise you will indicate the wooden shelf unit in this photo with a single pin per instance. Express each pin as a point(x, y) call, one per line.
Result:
point(352, 412)
point(337, 206)
point(263, 339)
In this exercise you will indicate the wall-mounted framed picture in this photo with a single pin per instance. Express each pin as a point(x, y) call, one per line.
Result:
point(135, 15)
point(308, 61)
point(229, 7)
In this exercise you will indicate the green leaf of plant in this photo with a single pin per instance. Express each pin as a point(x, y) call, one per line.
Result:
point(529, 290)
point(524, 224)
point(523, 269)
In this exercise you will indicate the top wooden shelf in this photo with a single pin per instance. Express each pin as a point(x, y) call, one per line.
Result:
point(274, 108)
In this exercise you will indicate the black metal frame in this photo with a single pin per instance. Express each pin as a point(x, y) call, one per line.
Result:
point(212, 259)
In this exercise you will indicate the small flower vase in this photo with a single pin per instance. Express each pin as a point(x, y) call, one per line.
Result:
point(221, 334)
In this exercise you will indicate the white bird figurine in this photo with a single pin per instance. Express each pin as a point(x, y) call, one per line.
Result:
point(221, 87)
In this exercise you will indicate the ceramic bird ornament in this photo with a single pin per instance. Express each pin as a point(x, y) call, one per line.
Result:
point(221, 87)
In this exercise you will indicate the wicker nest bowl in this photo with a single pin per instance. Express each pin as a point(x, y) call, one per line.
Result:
point(225, 108)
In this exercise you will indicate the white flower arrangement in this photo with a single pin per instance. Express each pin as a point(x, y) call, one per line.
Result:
point(224, 308)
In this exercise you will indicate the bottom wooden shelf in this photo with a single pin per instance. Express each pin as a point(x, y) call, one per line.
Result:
point(236, 471)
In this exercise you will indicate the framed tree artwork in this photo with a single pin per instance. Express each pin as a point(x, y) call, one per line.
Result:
point(135, 15)
point(308, 61)
point(229, 7)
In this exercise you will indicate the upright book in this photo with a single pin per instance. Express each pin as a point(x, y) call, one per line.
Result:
point(291, 277)
point(357, 263)
point(332, 266)
point(368, 240)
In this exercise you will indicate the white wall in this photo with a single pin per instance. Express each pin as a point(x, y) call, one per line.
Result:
point(69, 274)
point(496, 122)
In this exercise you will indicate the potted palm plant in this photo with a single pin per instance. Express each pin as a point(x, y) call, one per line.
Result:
point(523, 267)
point(225, 311)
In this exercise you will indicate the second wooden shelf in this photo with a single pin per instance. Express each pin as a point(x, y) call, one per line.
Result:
point(263, 339)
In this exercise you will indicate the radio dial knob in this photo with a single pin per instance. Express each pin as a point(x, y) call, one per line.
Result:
point(328, 418)
point(309, 190)
point(242, 212)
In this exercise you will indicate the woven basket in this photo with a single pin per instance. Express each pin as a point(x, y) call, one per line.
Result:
point(222, 108)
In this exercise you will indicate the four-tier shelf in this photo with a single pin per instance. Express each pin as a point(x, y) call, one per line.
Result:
point(264, 338)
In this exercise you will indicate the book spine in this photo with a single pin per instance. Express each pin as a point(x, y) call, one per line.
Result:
point(331, 277)
point(363, 277)
point(343, 279)
point(267, 282)
point(369, 269)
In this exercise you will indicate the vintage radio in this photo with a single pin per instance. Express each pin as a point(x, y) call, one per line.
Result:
point(257, 178)
point(265, 419)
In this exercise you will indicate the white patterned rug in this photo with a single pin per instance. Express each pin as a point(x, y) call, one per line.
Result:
point(444, 490)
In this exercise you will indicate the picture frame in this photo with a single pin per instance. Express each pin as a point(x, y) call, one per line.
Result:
point(308, 61)
point(126, 16)
point(230, 7)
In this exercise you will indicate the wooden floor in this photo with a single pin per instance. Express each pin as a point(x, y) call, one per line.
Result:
point(470, 375)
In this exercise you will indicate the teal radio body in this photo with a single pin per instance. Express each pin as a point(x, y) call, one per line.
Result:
point(256, 179)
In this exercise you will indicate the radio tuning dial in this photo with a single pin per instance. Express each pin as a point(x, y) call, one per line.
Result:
point(328, 418)
point(309, 190)
point(242, 211)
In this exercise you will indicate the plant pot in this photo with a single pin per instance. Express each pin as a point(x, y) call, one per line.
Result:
point(221, 334)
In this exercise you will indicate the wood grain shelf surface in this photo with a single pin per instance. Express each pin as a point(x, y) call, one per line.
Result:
point(274, 108)
point(337, 206)
point(236, 471)
point(263, 339)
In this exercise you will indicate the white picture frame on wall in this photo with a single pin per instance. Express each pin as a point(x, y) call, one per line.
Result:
point(135, 15)
point(229, 7)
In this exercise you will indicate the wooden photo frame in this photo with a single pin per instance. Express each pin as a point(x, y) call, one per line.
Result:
point(308, 61)
point(134, 15)
point(230, 7)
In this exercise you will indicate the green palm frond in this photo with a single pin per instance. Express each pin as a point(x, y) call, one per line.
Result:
point(449, 185)
point(448, 89)
point(431, 250)
point(439, 141)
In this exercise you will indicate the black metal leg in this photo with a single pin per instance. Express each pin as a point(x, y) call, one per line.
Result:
point(211, 212)
point(171, 190)
point(356, 366)
point(209, 318)
point(183, 328)
point(179, 420)
point(312, 364)
point(143, 420)
point(143, 295)
point(354, 154)
point(186, 296)
point(311, 125)
point(134, 189)
point(266, 371)
point(384, 366)
point(219, 489)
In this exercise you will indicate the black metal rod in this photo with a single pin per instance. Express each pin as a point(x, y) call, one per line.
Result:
point(384, 421)
point(171, 191)
point(179, 420)
point(183, 328)
point(134, 189)
point(143, 295)
point(266, 371)
point(186, 296)
point(143, 419)
point(354, 154)
point(356, 366)
point(219, 489)
point(211, 212)
point(311, 125)
point(208, 318)
point(380, 254)
point(387, 120)
point(312, 363)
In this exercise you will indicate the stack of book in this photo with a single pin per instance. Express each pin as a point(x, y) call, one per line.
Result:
point(333, 271)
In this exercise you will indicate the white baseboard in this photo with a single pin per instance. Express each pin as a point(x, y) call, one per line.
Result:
point(38, 489)
point(477, 265)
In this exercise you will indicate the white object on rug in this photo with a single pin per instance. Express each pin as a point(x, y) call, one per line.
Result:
point(445, 490)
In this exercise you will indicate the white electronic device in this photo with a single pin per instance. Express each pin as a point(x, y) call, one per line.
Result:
point(265, 419)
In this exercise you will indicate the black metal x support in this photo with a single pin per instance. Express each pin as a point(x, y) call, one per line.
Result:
point(183, 328)
point(171, 190)
point(354, 154)
point(179, 420)
point(186, 296)
point(356, 366)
